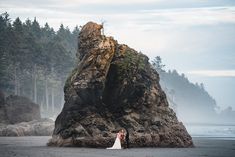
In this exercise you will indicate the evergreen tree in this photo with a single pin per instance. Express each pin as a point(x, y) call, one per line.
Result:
point(35, 61)
point(4, 58)
point(192, 100)
point(157, 64)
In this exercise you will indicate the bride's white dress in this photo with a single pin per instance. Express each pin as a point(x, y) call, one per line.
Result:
point(117, 144)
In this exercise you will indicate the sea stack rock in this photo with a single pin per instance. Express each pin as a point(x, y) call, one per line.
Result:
point(3, 117)
point(21, 109)
point(115, 87)
point(15, 109)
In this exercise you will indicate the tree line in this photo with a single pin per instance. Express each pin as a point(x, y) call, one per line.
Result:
point(35, 60)
point(190, 100)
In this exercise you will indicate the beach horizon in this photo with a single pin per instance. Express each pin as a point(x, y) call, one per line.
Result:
point(35, 146)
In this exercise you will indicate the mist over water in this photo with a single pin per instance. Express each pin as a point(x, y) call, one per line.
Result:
point(211, 130)
point(194, 106)
point(221, 88)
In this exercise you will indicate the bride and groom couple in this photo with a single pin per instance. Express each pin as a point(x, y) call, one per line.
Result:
point(121, 138)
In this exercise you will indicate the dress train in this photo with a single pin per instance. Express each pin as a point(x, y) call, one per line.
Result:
point(117, 144)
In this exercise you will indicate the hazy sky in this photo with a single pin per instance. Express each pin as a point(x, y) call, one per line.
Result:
point(196, 37)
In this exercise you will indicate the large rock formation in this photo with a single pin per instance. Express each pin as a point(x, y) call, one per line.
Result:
point(115, 87)
point(16, 109)
point(2, 99)
point(21, 117)
point(3, 116)
point(42, 127)
point(21, 109)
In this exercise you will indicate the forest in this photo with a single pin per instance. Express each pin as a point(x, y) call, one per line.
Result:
point(35, 61)
point(191, 102)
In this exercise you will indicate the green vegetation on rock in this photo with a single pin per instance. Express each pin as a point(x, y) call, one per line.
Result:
point(131, 64)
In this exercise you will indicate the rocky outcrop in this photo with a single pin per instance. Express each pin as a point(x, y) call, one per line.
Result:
point(21, 117)
point(115, 87)
point(2, 99)
point(42, 127)
point(21, 109)
point(3, 117)
point(16, 109)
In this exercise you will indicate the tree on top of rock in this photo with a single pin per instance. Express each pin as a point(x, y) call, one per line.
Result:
point(157, 64)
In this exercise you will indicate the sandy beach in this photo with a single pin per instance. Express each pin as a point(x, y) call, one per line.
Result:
point(33, 146)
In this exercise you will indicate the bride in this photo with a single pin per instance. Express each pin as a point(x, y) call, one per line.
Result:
point(119, 138)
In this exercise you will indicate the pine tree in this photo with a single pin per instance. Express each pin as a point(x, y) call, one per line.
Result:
point(157, 64)
point(3, 53)
point(35, 61)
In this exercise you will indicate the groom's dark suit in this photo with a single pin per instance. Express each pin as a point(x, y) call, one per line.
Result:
point(127, 138)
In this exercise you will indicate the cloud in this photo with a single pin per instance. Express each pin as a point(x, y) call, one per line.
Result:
point(143, 19)
point(159, 4)
point(144, 14)
point(213, 73)
point(63, 4)
point(111, 1)
point(188, 16)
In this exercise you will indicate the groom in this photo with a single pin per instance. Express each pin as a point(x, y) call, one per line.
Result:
point(127, 138)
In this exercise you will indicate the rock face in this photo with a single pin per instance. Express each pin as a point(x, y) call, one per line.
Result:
point(115, 87)
point(2, 99)
point(21, 117)
point(42, 127)
point(16, 109)
point(3, 117)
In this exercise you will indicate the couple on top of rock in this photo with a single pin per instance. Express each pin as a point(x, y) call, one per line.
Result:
point(121, 138)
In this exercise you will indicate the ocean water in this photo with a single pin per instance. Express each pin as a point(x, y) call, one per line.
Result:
point(211, 130)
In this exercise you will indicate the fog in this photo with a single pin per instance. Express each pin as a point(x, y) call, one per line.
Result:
point(192, 103)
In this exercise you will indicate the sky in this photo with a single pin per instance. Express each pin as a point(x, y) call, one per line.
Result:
point(195, 37)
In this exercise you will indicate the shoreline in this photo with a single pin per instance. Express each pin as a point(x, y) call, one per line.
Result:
point(35, 146)
point(215, 137)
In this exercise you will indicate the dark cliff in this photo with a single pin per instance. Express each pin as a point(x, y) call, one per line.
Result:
point(15, 109)
point(115, 87)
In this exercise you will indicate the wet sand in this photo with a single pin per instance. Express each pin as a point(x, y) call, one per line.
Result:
point(33, 146)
